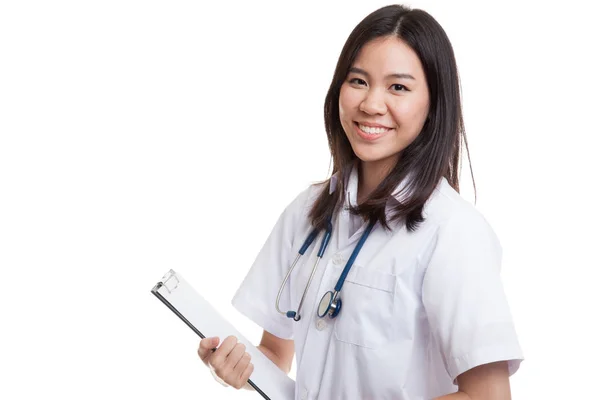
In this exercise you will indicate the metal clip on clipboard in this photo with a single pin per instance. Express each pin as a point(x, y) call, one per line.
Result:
point(181, 298)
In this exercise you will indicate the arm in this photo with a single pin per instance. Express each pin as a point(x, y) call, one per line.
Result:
point(280, 351)
point(468, 311)
point(485, 382)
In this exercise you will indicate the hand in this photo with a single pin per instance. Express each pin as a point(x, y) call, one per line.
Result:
point(230, 362)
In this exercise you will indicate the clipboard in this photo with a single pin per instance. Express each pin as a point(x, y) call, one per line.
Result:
point(197, 313)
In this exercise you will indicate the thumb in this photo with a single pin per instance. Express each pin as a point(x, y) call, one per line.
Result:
point(208, 344)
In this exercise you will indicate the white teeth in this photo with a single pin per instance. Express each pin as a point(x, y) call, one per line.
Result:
point(371, 130)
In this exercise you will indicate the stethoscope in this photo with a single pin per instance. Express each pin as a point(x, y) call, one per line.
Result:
point(330, 304)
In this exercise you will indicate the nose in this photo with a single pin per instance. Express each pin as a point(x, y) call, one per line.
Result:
point(373, 103)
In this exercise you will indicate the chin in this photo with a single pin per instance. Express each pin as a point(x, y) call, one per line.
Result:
point(369, 156)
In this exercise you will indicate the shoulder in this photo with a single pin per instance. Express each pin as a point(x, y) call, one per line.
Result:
point(455, 220)
point(303, 201)
point(461, 240)
point(446, 207)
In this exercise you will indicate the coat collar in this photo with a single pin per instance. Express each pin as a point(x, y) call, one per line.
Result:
point(400, 193)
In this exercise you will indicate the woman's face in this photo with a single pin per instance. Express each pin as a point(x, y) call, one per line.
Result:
point(384, 101)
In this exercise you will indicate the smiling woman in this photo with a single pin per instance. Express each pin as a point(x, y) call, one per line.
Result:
point(424, 313)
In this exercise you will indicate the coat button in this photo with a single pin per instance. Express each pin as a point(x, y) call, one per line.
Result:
point(304, 394)
point(338, 259)
point(321, 324)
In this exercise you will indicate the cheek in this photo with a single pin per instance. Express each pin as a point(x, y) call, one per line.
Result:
point(411, 115)
point(348, 101)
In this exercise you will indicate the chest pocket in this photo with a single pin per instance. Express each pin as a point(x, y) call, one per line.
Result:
point(367, 315)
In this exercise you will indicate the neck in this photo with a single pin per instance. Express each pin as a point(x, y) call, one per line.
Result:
point(370, 176)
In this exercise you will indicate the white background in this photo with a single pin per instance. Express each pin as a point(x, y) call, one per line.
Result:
point(139, 136)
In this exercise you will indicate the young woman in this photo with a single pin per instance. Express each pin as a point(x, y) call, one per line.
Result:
point(407, 300)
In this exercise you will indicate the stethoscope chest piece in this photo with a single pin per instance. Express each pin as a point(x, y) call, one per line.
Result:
point(330, 305)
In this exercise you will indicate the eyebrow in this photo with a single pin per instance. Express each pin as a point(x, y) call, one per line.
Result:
point(365, 73)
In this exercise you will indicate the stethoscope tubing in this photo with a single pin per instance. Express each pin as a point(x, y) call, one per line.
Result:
point(350, 263)
point(331, 308)
point(324, 243)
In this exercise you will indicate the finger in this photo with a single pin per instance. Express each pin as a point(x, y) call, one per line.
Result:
point(240, 367)
point(209, 343)
point(206, 346)
point(217, 359)
point(234, 356)
point(205, 349)
point(245, 375)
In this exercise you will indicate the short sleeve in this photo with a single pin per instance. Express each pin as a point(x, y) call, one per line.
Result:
point(256, 296)
point(464, 297)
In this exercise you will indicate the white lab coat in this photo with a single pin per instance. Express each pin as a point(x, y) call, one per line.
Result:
point(418, 308)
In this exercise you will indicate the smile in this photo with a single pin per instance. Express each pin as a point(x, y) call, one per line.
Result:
point(370, 132)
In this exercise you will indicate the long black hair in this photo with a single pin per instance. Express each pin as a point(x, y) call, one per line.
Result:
point(435, 153)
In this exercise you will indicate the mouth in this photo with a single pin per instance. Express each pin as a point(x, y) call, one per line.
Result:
point(371, 132)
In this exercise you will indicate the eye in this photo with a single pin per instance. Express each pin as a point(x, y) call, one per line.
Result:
point(399, 88)
point(357, 81)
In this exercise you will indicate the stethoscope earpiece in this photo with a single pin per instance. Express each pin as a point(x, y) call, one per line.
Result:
point(293, 314)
